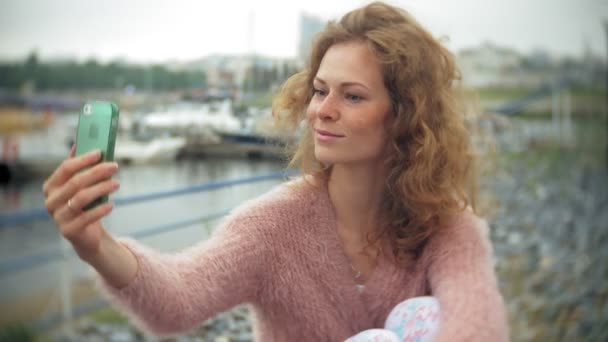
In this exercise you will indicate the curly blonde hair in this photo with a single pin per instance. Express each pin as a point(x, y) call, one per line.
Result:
point(430, 157)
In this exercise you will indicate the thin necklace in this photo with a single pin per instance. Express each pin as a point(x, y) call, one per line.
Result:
point(358, 273)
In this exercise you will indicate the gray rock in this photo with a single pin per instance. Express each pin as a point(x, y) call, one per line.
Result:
point(121, 336)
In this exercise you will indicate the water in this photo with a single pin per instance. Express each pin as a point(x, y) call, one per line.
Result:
point(42, 236)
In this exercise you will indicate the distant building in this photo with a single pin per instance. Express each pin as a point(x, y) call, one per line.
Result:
point(592, 71)
point(490, 65)
point(241, 73)
point(309, 26)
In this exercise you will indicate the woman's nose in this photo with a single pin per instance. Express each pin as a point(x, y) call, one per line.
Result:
point(328, 110)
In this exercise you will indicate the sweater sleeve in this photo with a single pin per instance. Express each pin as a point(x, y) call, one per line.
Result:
point(173, 293)
point(462, 278)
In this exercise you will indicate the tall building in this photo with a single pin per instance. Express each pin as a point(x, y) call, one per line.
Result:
point(309, 26)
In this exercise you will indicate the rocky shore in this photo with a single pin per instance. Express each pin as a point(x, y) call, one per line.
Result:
point(550, 236)
point(230, 326)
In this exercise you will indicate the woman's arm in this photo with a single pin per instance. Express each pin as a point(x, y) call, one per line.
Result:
point(173, 293)
point(164, 293)
point(462, 277)
point(113, 261)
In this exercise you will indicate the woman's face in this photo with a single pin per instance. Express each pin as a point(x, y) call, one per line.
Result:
point(349, 106)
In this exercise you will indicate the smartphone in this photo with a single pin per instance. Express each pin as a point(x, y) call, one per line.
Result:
point(97, 128)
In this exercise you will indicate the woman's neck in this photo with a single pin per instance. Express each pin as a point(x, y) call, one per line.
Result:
point(356, 194)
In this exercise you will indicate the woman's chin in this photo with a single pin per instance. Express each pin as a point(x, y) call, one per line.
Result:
point(325, 160)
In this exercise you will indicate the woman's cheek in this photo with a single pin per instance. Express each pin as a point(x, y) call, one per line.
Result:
point(310, 110)
point(361, 124)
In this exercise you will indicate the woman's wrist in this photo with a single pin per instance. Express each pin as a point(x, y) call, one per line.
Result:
point(114, 262)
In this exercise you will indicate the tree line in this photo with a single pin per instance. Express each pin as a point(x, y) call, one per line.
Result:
point(262, 78)
point(94, 75)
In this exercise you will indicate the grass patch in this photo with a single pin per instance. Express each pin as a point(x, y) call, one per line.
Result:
point(536, 156)
point(508, 93)
point(108, 316)
point(545, 115)
point(260, 100)
point(17, 332)
point(501, 93)
point(588, 148)
point(556, 157)
point(588, 92)
point(595, 132)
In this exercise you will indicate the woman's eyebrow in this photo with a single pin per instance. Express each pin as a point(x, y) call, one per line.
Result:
point(343, 84)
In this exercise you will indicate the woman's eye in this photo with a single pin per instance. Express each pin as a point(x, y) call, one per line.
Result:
point(316, 91)
point(353, 97)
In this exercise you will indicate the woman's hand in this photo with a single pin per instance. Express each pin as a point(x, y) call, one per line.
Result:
point(69, 189)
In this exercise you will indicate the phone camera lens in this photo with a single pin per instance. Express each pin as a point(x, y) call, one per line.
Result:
point(87, 109)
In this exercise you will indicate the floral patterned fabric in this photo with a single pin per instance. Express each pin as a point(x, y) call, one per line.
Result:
point(413, 320)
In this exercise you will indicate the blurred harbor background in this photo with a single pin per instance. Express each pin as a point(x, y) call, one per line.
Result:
point(195, 141)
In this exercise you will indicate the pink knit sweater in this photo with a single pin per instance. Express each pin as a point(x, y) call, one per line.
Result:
point(281, 253)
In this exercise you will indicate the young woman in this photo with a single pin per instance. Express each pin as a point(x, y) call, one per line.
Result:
point(382, 212)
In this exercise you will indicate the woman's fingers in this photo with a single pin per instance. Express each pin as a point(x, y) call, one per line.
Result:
point(74, 229)
point(62, 194)
point(46, 187)
point(74, 206)
point(88, 195)
point(68, 168)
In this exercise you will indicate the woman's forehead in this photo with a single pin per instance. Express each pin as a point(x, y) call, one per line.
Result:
point(350, 62)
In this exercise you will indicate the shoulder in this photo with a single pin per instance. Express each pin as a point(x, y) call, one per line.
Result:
point(289, 201)
point(294, 194)
point(467, 225)
point(463, 232)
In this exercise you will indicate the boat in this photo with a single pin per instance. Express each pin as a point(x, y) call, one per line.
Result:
point(159, 149)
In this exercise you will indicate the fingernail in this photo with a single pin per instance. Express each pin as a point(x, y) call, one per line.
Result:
point(115, 165)
point(94, 154)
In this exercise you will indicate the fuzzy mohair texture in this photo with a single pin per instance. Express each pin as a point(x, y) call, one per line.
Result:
point(281, 254)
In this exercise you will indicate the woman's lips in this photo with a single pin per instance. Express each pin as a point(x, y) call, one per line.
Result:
point(326, 135)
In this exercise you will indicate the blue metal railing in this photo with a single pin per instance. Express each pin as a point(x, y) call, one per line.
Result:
point(26, 216)
point(24, 263)
point(27, 262)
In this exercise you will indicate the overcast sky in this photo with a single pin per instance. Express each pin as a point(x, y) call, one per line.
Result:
point(161, 30)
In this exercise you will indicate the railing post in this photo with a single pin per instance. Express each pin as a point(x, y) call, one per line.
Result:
point(555, 104)
point(207, 226)
point(606, 91)
point(65, 288)
point(567, 109)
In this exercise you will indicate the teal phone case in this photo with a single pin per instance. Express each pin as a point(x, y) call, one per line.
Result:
point(97, 129)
